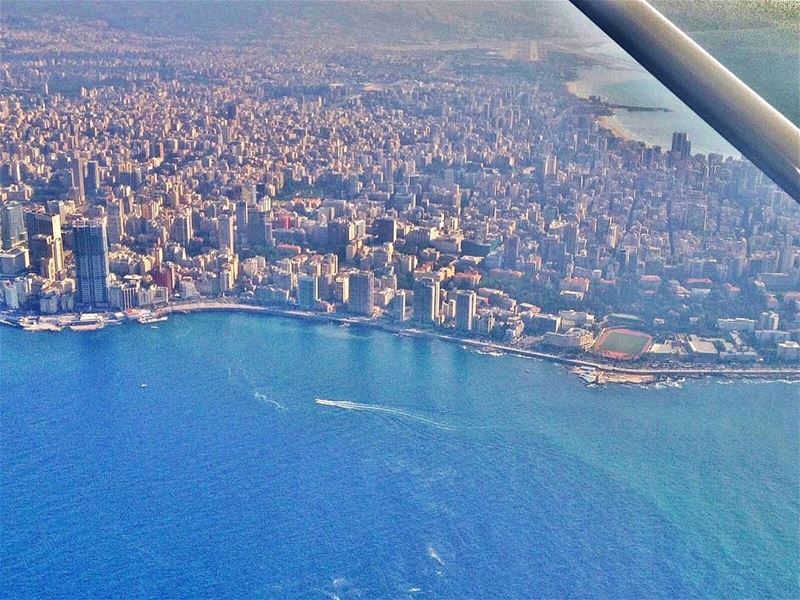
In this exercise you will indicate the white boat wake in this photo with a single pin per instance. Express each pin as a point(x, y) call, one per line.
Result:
point(347, 405)
point(435, 555)
point(263, 398)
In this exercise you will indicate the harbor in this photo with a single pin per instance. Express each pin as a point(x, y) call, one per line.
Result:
point(80, 322)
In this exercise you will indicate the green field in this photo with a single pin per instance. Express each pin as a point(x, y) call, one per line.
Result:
point(624, 342)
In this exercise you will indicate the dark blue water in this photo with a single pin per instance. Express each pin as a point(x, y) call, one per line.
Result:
point(464, 476)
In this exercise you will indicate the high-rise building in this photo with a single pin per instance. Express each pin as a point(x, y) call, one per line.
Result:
point(426, 301)
point(259, 228)
point(340, 233)
point(570, 237)
point(116, 222)
point(91, 262)
point(550, 166)
point(241, 221)
point(681, 145)
point(696, 215)
point(182, 229)
point(511, 253)
point(307, 291)
point(92, 177)
point(399, 306)
point(123, 294)
point(466, 304)
point(225, 232)
point(12, 225)
point(49, 226)
point(386, 229)
point(42, 252)
point(78, 168)
point(362, 299)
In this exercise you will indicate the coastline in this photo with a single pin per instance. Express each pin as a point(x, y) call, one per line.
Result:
point(657, 372)
point(627, 84)
point(610, 122)
point(601, 372)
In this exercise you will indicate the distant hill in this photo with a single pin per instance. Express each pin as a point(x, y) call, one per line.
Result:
point(366, 22)
point(757, 39)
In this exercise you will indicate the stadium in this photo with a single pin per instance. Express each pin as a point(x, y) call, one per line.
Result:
point(622, 344)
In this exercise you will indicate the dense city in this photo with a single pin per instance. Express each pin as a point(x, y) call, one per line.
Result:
point(469, 195)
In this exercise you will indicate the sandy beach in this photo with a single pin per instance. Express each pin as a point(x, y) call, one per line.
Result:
point(581, 89)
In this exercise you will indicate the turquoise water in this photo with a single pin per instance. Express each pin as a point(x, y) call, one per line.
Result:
point(445, 473)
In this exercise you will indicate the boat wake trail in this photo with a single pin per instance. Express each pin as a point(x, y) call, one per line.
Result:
point(263, 398)
point(435, 555)
point(347, 405)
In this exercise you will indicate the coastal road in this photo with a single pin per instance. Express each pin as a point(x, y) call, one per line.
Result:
point(194, 306)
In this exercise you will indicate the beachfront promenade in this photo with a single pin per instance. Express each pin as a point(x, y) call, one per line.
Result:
point(677, 371)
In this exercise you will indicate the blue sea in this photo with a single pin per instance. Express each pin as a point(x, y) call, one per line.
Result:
point(191, 460)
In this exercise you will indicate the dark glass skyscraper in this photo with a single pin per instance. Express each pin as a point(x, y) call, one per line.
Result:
point(362, 300)
point(681, 145)
point(426, 301)
point(91, 262)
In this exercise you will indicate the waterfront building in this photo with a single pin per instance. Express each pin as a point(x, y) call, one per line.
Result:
point(466, 304)
point(426, 301)
point(572, 339)
point(123, 294)
point(9, 294)
point(362, 300)
point(484, 323)
point(91, 261)
point(399, 306)
point(307, 291)
point(789, 351)
point(340, 290)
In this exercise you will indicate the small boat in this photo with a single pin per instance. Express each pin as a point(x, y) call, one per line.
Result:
point(151, 320)
point(490, 352)
point(142, 385)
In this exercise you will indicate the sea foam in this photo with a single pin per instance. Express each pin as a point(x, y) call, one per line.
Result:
point(348, 405)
